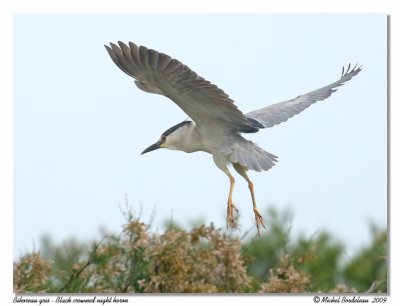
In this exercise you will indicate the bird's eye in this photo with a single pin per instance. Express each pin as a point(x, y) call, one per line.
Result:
point(163, 137)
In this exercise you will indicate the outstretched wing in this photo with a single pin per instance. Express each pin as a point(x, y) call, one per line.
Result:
point(158, 73)
point(280, 112)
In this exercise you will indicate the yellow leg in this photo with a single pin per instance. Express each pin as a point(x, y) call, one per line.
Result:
point(259, 219)
point(230, 216)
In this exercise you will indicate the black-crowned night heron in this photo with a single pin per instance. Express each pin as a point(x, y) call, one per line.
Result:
point(217, 122)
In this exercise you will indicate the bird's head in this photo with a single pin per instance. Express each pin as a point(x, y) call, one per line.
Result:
point(171, 138)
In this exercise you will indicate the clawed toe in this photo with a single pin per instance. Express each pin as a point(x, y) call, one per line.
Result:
point(231, 217)
point(259, 220)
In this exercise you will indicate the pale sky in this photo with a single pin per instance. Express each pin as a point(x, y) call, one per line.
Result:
point(80, 124)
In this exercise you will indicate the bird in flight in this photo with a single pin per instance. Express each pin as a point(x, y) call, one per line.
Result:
point(217, 124)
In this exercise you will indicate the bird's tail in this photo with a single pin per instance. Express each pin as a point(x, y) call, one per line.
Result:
point(251, 156)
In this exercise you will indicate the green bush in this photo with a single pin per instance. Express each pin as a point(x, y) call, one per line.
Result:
point(204, 260)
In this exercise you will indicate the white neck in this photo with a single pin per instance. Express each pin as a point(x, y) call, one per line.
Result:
point(187, 139)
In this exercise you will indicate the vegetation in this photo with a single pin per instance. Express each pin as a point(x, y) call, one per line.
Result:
point(204, 259)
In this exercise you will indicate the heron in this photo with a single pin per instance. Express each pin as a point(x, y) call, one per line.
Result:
point(216, 124)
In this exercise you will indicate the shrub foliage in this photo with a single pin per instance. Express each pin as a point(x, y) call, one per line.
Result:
point(204, 260)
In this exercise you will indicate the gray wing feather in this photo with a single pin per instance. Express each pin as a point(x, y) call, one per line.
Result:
point(158, 73)
point(281, 112)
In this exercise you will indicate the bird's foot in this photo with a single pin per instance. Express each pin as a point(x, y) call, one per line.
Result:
point(232, 215)
point(259, 220)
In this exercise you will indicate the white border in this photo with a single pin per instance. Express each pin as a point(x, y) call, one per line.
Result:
point(8, 8)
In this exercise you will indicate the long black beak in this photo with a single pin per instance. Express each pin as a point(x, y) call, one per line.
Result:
point(152, 148)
